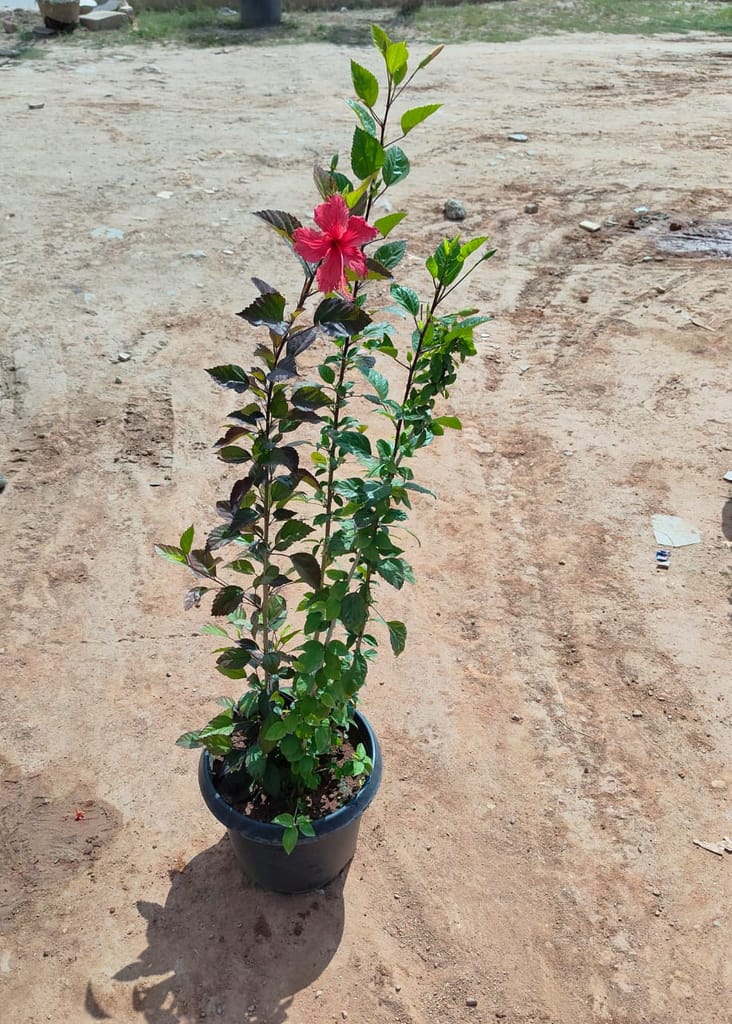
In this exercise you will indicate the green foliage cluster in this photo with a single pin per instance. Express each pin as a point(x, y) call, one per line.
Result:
point(312, 524)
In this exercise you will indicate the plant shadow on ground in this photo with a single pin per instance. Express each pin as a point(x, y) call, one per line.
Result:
point(226, 949)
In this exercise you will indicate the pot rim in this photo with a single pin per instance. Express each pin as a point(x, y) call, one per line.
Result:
point(268, 833)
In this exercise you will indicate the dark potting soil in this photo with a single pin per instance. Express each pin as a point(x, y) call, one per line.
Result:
point(332, 794)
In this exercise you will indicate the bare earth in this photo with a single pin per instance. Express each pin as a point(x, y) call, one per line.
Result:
point(557, 734)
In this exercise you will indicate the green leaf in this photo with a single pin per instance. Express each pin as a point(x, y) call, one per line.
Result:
point(293, 531)
point(214, 630)
point(275, 731)
point(291, 748)
point(227, 600)
point(189, 740)
point(233, 661)
point(283, 223)
point(353, 442)
point(367, 154)
point(268, 309)
point(307, 568)
point(186, 540)
point(449, 421)
point(289, 839)
point(310, 658)
point(397, 636)
point(381, 40)
point(172, 553)
point(367, 122)
point(309, 398)
point(388, 223)
point(391, 254)
point(340, 318)
point(396, 57)
point(233, 454)
point(469, 247)
point(378, 381)
point(395, 165)
point(241, 565)
point(354, 612)
point(286, 820)
point(203, 563)
point(305, 826)
point(395, 571)
point(406, 298)
point(365, 84)
point(411, 118)
point(230, 376)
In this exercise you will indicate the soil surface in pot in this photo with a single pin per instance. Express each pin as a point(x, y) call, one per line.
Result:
point(332, 794)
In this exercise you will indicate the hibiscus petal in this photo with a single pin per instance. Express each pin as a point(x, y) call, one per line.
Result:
point(331, 276)
point(332, 216)
point(310, 244)
point(359, 232)
point(354, 259)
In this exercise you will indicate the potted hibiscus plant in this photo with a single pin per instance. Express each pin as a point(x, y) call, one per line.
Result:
point(320, 443)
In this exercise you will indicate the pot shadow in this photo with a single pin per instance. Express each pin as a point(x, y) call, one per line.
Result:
point(727, 519)
point(230, 951)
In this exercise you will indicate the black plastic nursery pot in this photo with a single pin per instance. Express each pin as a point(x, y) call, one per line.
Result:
point(316, 860)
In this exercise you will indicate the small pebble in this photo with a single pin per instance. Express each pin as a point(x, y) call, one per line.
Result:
point(590, 225)
point(637, 713)
point(196, 254)
point(518, 137)
point(516, 718)
point(531, 208)
point(718, 784)
point(454, 210)
point(584, 297)
point(117, 380)
point(123, 357)
point(471, 1002)
point(3, 483)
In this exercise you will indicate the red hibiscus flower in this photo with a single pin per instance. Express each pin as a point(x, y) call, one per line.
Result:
point(336, 246)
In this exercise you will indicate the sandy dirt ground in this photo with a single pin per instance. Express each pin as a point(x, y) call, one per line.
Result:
point(557, 734)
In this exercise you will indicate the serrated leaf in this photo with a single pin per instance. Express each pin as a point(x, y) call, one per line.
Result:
point(203, 563)
point(365, 84)
point(186, 540)
point(378, 381)
point(263, 287)
point(340, 318)
point(300, 341)
point(397, 636)
point(411, 118)
point(171, 552)
point(230, 376)
point(267, 310)
point(353, 442)
point(391, 254)
point(367, 154)
point(293, 531)
point(388, 223)
point(367, 122)
point(406, 297)
point(227, 600)
point(193, 597)
point(354, 612)
point(396, 57)
point(395, 166)
point(382, 42)
point(283, 223)
point(241, 565)
point(307, 568)
point(284, 370)
point(309, 398)
point(375, 271)
point(189, 740)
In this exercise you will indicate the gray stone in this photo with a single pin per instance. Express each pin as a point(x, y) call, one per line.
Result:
point(454, 210)
point(3, 483)
point(518, 137)
point(590, 225)
point(531, 208)
point(196, 254)
point(103, 21)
